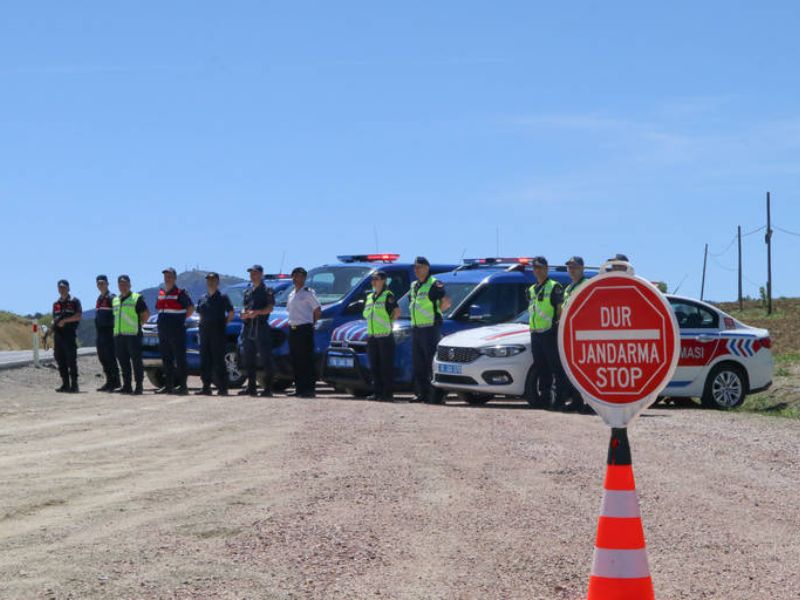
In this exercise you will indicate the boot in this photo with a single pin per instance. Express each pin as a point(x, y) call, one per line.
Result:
point(126, 388)
point(222, 392)
point(64, 385)
point(267, 391)
point(138, 391)
point(204, 391)
point(74, 389)
point(106, 387)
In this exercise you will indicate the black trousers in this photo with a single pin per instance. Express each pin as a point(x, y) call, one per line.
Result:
point(257, 344)
point(301, 347)
point(172, 345)
point(381, 364)
point(547, 367)
point(106, 353)
point(423, 349)
point(212, 356)
point(65, 351)
point(129, 355)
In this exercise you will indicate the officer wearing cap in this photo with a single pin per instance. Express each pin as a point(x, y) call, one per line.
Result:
point(67, 313)
point(104, 328)
point(380, 310)
point(619, 262)
point(216, 311)
point(575, 268)
point(173, 306)
point(545, 298)
point(256, 338)
point(427, 299)
point(130, 311)
point(304, 311)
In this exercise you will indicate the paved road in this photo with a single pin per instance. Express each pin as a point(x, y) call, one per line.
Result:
point(19, 358)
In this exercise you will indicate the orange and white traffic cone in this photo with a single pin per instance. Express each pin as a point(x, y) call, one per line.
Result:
point(620, 570)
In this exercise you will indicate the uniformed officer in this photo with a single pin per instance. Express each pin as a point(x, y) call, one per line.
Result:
point(104, 329)
point(575, 268)
point(130, 311)
point(216, 311)
point(256, 338)
point(380, 310)
point(304, 311)
point(174, 306)
point(67, 313)
point(618, 263)
point(544, 303)
point(427, 300)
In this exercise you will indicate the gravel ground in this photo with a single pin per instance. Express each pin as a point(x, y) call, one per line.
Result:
point(103, 496)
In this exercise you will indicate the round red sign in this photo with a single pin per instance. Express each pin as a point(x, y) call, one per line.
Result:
point(619, 341)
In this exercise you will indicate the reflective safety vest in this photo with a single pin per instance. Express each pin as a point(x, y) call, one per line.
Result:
point(379, 321)
point(169, 303)
point(423, 310)
point(126, 319)
point(541, 310)
point(572, 287)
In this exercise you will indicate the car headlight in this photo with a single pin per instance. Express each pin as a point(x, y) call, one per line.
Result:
point(502, 351)
point(323, 324)
point(400, 333)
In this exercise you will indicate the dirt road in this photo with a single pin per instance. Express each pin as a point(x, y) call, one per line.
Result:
point(104, 496)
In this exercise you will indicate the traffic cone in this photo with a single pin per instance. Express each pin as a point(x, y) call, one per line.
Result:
point(619, 569)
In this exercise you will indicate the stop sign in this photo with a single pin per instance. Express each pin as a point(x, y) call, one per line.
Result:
point(619, 344)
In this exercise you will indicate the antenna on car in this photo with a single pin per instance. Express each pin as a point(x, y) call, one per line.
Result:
point(283, 258)
point(680, 283)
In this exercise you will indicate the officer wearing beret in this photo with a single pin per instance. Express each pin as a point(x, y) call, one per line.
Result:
point(380, 311)
point(104, 328)
point(304, 311)
point(67, 313)
point(216, 311)
point(258, 301)
point(545, 298)
point(130, 311)
point(174, 306)
point(427, 300)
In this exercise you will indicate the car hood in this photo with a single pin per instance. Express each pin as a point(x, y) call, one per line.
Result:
point(491, 335)
point(354, 331)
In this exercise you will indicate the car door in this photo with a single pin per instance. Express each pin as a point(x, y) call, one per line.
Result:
point(699, 330)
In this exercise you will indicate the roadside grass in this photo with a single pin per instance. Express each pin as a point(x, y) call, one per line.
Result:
point(783, 398)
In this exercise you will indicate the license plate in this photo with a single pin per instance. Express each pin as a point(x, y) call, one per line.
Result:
point(341, 362)
point(450, 369)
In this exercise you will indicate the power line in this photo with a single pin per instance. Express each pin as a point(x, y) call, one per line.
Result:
point(787, 231)
point(754, 231)
point(728, 247)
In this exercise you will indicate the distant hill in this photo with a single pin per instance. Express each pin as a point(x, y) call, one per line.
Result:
point(194, 282)
point(15, 332)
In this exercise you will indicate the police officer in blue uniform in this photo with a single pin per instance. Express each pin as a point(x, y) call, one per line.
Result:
point(104, 329)
point(216, 311)
point(67, 314)
point(428, 298)
point(258, 301)
point(173, 306)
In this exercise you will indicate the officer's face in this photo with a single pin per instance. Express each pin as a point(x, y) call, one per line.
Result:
point(540, 272)
point(299, 279)
point(421, 271)
point(124, 287)
point(575, 271)
point(63, 291)
point(212, 284)
point(255, 277)
point(169, 280)
point(102, 286)
point(377, 284)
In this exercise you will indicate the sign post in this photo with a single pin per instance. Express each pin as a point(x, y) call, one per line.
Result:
point(35, 328)
point(619, 345)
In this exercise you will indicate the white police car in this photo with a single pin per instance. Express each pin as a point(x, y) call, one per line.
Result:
point(722, 360)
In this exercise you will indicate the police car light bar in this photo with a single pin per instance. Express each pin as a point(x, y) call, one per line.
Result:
point(523, 260)
point(277, 276)
point(385, 257)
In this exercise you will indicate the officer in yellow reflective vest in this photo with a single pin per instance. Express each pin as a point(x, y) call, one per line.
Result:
point(130, 311)
point(380, 310)
point(545, 298)
point(427, 299)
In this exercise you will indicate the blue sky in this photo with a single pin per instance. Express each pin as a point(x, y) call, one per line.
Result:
point(139, 135)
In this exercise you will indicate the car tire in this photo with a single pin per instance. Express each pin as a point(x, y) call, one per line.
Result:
point(233, 367)
point(474, 399)
point(156, 377)
point(726, 387)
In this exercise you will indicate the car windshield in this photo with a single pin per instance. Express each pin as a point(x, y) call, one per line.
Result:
point(522, 317)
point(455, 291)
point(235, 294)
point(330, 283)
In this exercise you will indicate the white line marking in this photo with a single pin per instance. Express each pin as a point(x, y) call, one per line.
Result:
point(617, 334)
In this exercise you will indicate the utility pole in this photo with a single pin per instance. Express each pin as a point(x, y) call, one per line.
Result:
point(739, 236)
point(768, 240)
point(703, 283)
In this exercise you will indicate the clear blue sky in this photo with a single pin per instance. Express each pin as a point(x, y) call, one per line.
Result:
point(143, 134)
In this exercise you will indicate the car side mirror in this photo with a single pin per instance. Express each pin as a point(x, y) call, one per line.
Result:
point(355, 307)
point(476, 313)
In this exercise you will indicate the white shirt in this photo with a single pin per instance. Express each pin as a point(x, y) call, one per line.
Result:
point(301, 305)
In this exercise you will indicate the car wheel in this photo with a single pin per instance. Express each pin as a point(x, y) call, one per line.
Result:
point(233, 367)
point(156, 377)
point(474, 399)
point(725, 387)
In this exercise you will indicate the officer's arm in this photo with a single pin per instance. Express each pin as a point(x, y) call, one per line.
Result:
point(144, 315)
point(317, 314)
point(72, 319)
point(445, 304)
point(189, 306)
point(396, 313)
